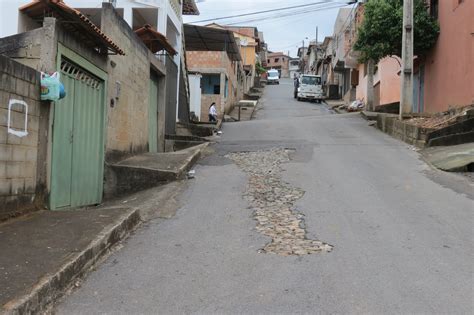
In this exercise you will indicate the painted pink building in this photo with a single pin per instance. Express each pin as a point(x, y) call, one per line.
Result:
point(386, 77)
point(386, 82)
point(445, 77)
point(449, 68)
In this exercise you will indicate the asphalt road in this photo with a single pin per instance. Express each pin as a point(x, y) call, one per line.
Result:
point(402, 232)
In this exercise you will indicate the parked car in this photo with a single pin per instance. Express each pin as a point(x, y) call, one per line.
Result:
point(273, 76)
point(310, 88)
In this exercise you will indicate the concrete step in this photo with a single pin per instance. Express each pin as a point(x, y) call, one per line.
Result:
point(152, 169)
point(368, 115)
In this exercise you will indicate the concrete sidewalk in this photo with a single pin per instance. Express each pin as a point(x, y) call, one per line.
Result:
point(45, 253)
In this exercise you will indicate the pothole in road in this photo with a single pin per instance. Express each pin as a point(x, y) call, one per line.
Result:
point(272, 201)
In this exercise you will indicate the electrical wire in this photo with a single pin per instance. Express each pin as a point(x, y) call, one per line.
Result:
point(289, 14)
point(347, 19)
point(272, 10)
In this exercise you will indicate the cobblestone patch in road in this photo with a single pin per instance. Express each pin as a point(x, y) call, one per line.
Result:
point(272, 201)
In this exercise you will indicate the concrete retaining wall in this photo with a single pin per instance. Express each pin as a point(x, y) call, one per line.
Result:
point(408, 133)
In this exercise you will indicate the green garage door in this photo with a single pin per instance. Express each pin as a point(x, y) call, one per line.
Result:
point(78, 140)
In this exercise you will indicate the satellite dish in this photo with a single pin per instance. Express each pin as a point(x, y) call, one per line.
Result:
point(244, 42)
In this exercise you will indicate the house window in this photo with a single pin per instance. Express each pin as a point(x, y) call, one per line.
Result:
point(434, 5)
point(211, 84)
point(277, 59)
point(268, 60)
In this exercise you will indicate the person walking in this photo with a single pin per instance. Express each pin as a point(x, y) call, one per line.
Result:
point(213, 113)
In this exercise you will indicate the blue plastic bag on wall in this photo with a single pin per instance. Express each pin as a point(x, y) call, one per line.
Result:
point(50, 86)
point(62, 91)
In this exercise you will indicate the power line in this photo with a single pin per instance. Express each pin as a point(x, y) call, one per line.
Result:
point(273, 10)
point(280, 15)
point(347, 19)
point(291, 46)
point(291, 14)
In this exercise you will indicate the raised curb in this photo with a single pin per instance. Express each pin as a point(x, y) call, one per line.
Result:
point(192, 159)
point(52, 286)
point(369, 115)
point(137, 175)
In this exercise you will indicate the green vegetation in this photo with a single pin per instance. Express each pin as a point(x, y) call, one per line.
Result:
point(259, 68)
point(380, 34)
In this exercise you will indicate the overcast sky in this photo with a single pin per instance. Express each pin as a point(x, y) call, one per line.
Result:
point(282, 33)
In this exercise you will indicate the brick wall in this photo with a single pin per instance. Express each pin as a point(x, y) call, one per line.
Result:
point(18, 154)
point(217, 62)
point(204, 59)
point(282, 64)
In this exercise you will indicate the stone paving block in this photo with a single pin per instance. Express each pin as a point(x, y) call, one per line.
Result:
point(272, 201)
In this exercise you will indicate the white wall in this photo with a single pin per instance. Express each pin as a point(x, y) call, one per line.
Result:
point(195, 94)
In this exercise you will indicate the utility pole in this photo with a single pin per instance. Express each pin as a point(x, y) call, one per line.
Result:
point(406, 97)
point(316, 50)
point(302, 58)
point(370, 85)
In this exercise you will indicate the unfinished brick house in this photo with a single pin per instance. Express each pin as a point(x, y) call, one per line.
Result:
point(280, 62)
point(215, 55)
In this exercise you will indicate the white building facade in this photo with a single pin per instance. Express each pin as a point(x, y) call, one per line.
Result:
point(163, 15)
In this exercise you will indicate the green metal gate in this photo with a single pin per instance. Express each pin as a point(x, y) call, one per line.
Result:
point(153, 115)
point(78, 140)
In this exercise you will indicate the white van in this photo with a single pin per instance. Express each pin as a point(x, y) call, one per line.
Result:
point(273, 76)
point(310, 88)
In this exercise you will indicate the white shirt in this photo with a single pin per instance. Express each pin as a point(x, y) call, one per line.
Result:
point(212, 110)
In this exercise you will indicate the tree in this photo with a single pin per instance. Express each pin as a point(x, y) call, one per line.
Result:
point(380, 33)
point(259, 68)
